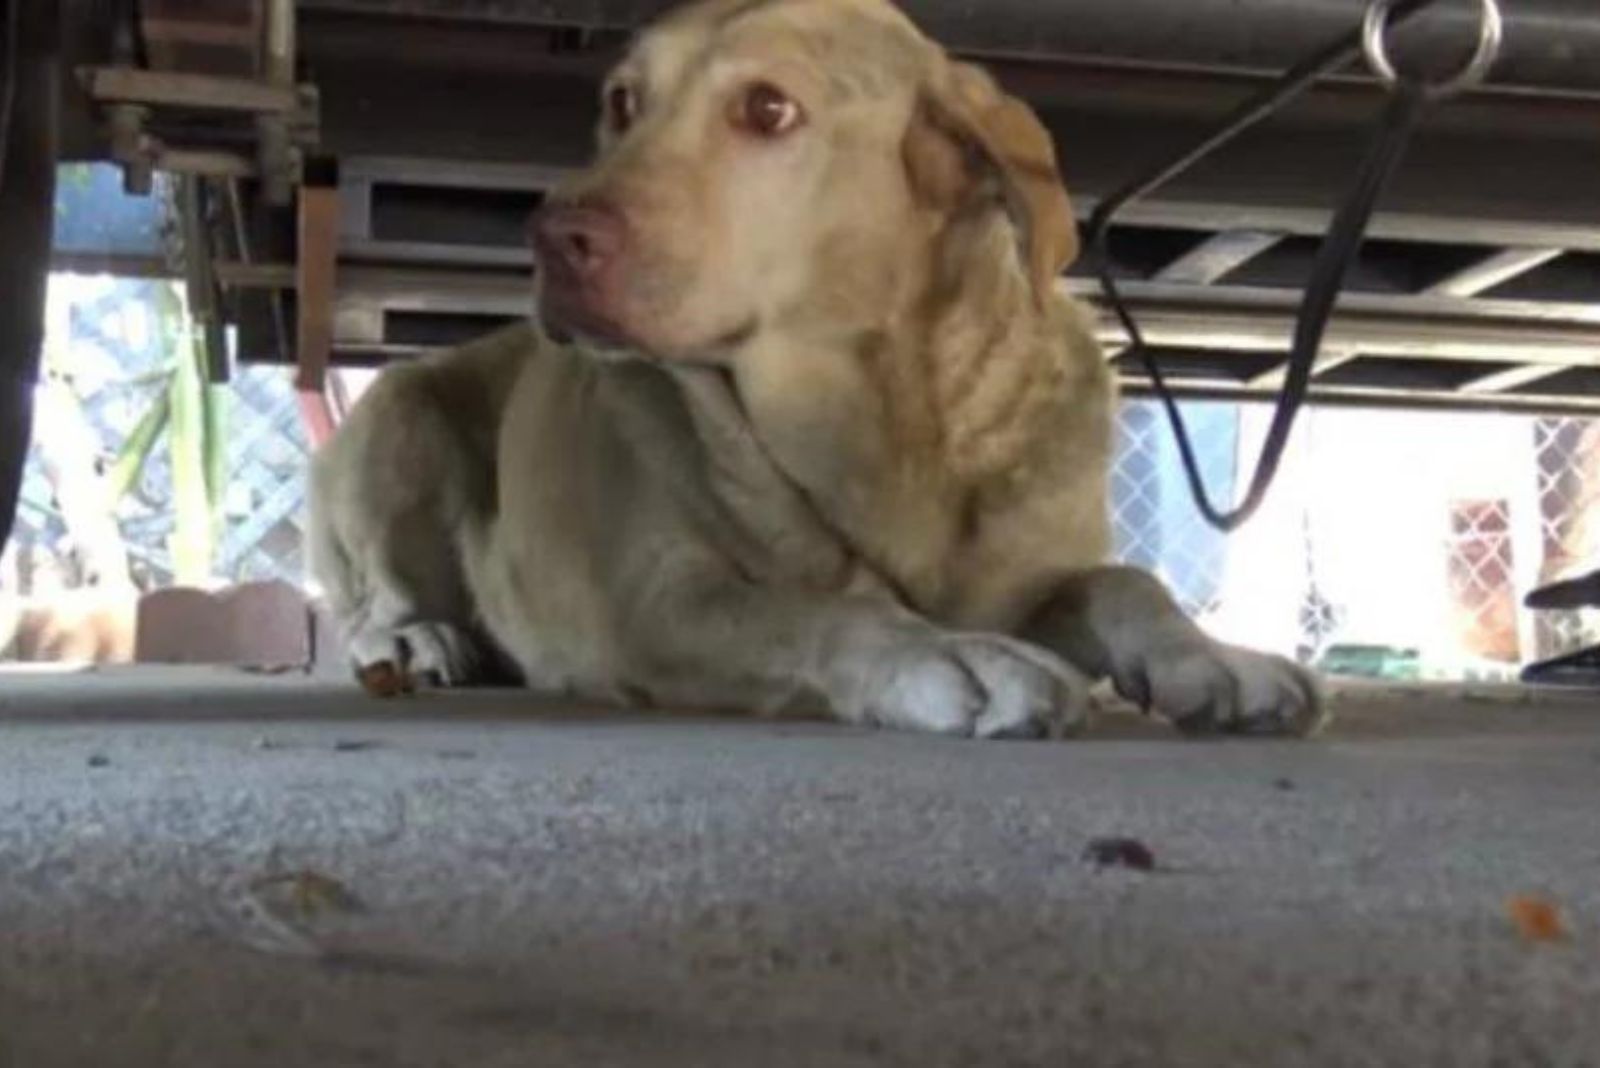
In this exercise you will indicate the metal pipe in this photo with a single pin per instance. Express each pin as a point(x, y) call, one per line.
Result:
point(1379, 398)
point(281, 43)
point(132, 147)
point(277, 154)
point(200, 279)
point(1245, 320)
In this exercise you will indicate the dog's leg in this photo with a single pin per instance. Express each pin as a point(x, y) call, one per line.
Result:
point(401, 605)
point(1122, 623)
point(871, 661)
point(401, 637)
point(388, 496)
point(394, 659)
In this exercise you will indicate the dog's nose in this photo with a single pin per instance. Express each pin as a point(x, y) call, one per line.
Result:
point(584, 240)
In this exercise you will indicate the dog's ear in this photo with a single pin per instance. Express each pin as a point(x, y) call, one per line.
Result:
point(966, 128)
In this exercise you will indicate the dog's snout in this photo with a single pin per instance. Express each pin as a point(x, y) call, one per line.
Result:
point(584, 240)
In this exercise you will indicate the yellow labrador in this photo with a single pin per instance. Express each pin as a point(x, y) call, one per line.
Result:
point(804, 418)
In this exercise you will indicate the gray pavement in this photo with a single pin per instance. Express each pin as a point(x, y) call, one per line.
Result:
point(497, 881)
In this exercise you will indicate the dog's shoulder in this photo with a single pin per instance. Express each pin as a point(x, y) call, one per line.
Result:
point(476, 378)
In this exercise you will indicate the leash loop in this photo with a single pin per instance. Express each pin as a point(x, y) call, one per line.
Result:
point(1491, 35)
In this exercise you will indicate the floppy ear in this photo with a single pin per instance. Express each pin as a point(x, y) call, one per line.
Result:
point(984, 128)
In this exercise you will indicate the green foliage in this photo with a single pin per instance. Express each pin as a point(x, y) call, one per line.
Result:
point(123, 474)
point(196, 438)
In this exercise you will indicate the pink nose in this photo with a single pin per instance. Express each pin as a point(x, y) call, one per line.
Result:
point(578, 241)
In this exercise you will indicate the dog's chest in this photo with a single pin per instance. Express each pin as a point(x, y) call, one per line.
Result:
point(802, 511)
point(746, 503)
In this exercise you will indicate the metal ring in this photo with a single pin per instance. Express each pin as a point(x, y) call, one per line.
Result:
point(1491, 32)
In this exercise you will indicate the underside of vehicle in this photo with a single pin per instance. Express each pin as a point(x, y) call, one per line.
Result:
point(437, 125)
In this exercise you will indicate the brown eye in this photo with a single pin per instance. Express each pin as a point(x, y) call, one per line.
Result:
point(622, 107)
point(766, 111)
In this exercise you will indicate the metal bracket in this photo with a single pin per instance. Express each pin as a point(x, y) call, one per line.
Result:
point(316, 281)
point(202, 92)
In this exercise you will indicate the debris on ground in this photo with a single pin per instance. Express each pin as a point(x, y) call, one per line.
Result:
point(99, 760)
point(1283, 784)
point(1120, 853)
point(1537, 919)
point(309, 893)
point(385, 679)
point(295, 913)
point(355, 745)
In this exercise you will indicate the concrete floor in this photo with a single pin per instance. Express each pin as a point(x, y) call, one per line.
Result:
point(546, 887)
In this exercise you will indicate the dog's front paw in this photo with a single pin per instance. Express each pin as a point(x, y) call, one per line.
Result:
point(394, 661)
point(981, 686)
point(1204, 687)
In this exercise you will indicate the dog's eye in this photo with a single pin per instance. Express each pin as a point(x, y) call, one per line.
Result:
point(767, 112)
point(622, 107)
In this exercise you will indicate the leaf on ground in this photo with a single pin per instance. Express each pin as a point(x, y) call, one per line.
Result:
point(1536, 919)
point(309, 893)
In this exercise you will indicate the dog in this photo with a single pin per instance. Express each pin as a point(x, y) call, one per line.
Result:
point(802, 420)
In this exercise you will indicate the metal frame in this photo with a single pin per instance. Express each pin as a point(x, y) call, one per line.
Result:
point(1548, 42)
point(1479, 286)
point(1186, 284)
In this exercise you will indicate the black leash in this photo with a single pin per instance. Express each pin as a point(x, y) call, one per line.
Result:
point(1407, 102)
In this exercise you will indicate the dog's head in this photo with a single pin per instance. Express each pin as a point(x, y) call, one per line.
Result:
point(763, 162)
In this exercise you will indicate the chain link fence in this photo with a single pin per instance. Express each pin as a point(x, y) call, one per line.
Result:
point(1407, 537)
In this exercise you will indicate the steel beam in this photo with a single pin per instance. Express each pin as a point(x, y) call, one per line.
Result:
point(1254, 320)
point(204, 92)
point(1497, 225)
point(1216, 257)
point(1215, 318)
point(1493, 270)
point(452, 173)
point(1363, 397)
point(1326, 361)
point(1549, 43)
point(1511, 378)
point(1496, 171)
point(203, 36)
point(315, 283)
point(275, 151)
